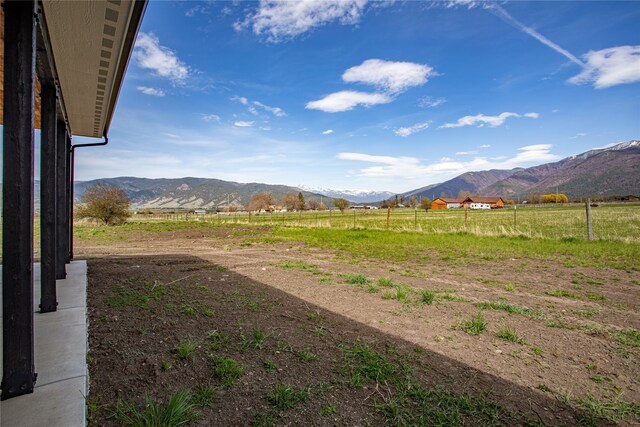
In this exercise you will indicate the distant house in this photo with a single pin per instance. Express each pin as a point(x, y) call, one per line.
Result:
point(200, 211)
point(483, 202)
point(446, 203)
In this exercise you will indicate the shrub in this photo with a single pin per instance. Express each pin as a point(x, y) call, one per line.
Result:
point(105, 203)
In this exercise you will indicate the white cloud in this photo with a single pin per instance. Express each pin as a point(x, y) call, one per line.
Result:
point(466, 153)
point(492, 121)
point(391, 77)
point(283, 20)
point(251, 106)
point(610, 67)
point(328, 132)
point(211, 117)
point(161, 60)
point(445, 168)
point(485, 146)
point(244, 124)
point(346, 100)
point(578, 135)
point(276, 111)
point(430, 102)
point(406, 131)
point(151, 91)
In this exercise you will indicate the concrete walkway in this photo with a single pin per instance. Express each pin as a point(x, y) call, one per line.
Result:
point(60, 359)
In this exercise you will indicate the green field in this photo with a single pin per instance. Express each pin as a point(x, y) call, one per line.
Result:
point(619, 222)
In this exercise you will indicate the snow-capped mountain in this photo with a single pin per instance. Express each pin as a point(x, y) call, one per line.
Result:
point(356, 196)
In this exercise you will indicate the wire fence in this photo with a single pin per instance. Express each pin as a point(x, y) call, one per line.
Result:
point(619, 222)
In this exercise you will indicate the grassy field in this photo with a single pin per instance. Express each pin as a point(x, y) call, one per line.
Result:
point(620, 222)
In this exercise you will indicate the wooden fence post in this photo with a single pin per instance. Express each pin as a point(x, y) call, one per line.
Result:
point(515, 216)
point(589, 230)
point(415, 220)
point(388, 215)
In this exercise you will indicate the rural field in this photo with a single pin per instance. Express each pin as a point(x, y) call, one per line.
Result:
point(231, 322)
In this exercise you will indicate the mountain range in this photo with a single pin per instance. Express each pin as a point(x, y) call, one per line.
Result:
point(192, 193)
point(609, 171)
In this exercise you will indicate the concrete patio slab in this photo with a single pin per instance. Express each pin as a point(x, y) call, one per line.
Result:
point(60, 359)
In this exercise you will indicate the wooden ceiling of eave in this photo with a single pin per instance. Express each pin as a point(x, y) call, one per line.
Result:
point(37, 112)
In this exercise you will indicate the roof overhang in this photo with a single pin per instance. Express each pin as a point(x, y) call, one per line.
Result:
point(89, 45)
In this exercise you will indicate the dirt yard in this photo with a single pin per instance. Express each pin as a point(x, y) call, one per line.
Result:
point(282, 333)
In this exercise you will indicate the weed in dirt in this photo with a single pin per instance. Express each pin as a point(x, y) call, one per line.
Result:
point(613, 409)
point(509, 333)
point(427, 296)
point(557, 323)
point(543, 387)
point(178, 411)
point(410, 403)
point(356, 279)
point(538, 351)
point(319, 331)
point(305, 355)
point(256, 340)
point(315, 316)
point(372, 288)
point(269, 365)
point(288, 264)
point(628, 337)
point(123, 298)
point(166, 365)
point(216, 267)
point(594, 296)
point(475, 325)
point(206, 311)
point(187, 309)
point(284, 346)
point(185, 349)
point(328, 410)
point(386, 282)
point(217, 339)
point(226, 370)
point(286, 397)
point(510, 308)
point(203, 396)
point(597, 379)
point(262, 419)
point(587, 312)
point(324, 280)
point(253, 306)
point(388, 295)
point(451, 297)
point(562, 293)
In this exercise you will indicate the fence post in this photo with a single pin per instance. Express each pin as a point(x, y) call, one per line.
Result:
point(465, 216)
point(515, 216)
point(354, 218)
point(330, 218)
point(415, 219)
point(589, 230)
point(388, 215)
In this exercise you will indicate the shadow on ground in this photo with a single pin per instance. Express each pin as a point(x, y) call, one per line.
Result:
point(142, 308)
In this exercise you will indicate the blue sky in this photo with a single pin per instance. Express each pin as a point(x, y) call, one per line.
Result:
point(370, 95)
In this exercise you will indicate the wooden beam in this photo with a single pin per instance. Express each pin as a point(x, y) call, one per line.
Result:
point(62, 218)
point(48, 157)
point(19, 374)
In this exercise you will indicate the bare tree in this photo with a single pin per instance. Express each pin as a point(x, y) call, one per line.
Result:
point(106, 203)
point(289, 201)
point(463, 194)
point(425, 204)
point(260, 201)
point(413, 202)
point(316, 204)
point(341, 203)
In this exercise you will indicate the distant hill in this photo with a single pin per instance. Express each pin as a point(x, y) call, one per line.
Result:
point(474, 182)
point(355, 196)
point(191, 193)
point(608, 171)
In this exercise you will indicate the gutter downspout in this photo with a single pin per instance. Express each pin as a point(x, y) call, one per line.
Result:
point(71, 198)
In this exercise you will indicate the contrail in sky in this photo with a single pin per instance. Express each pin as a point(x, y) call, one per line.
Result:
point(505, 16)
